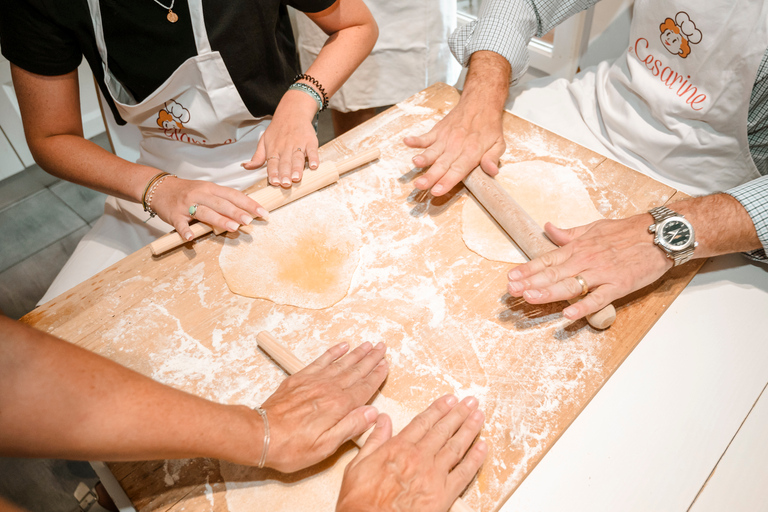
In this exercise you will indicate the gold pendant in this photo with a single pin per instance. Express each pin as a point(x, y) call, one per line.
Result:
point(172, 16)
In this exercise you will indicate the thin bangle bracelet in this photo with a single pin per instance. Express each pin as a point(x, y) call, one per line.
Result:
point(265, 449)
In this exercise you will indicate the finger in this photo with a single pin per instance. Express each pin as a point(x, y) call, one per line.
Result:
point(328, 357)
point(378, 437)
point(284, 168)
point(312, 156)
point(438, 436)
point(592, 302)
point(359, 364)
point(539, 272)
point(351, 425)
point(361, 390)
point(457, 172)
point(563, 236)
point(421, 141)
point(565, 289)
point(425, 420)
point(214, 219)
point(272, 169)
point(298, 160)
point(437, 170)
point(456, 447)
point(223, 202)
point(257, 160)
point(182, 228)
point(490, 160)
point(462, 475)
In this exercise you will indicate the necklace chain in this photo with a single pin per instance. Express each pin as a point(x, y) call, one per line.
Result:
point(166, 6)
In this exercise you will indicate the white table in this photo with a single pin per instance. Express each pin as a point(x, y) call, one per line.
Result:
point(683, 423)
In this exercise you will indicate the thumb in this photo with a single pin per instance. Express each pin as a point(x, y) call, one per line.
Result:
point(563, 236)
point(258, 158)
point(378, 437)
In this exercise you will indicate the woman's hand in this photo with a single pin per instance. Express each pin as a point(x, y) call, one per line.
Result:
point(289, 140)
point(425, 467)
point(319, 408)
point(221, 207)
point(614, 258)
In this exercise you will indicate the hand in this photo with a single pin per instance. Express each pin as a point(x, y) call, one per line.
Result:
point(289, 140)
point(421, 468)
point(614, 257)
point(471, 134)
point(319, 408)
point(220, 207)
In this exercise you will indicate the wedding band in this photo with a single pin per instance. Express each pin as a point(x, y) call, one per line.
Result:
point(193, 210)
point(584, 285)
point(298, 149)
point(273, 156)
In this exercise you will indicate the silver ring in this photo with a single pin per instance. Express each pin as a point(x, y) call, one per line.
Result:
point(583, 283)
point(299, 149)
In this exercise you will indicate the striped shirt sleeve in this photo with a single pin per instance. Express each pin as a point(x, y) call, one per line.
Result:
point(753, 196)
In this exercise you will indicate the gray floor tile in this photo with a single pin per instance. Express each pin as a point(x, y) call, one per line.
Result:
point(22, 285)
point(87, 203)
point(33, 224)
point(44, 485)
point(24, 184)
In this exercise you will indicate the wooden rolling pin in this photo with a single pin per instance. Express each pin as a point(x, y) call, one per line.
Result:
point(272, 197)
point(526, 233)
point(291, 364)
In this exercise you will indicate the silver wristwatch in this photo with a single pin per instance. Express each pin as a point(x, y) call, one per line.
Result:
point(674, 234)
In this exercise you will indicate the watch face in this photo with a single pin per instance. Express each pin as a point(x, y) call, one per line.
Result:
point(675, 234)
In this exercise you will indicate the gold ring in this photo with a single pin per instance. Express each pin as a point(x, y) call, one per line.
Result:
point(271, 157)
point(584, 285)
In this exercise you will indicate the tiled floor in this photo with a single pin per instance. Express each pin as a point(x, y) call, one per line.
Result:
point(42, 218)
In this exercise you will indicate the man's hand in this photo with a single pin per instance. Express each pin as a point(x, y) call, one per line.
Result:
point(319, 408)
point(471, 133)
point(425, 467)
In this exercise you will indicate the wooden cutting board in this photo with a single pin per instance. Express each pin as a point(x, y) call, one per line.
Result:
point(441, 309)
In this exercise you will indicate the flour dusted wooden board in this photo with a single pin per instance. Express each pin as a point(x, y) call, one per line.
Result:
point(441, 309)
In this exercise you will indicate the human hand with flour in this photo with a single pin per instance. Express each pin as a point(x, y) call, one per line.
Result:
point(425, 467)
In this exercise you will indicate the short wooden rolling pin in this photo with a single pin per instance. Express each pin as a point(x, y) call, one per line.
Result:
point(272, 197)
point(526, 233)
point(291, 364)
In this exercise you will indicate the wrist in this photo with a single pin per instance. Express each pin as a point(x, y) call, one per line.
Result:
point(297, 104)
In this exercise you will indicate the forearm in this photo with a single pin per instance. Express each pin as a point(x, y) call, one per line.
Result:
point(60, 400)
point(487, 85)
point(353, 33)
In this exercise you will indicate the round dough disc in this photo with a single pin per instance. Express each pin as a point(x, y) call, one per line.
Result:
point(305, 256)
point(548, 192)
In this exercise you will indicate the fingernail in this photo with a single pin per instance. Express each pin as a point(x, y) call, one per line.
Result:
point(437, 189)
point(344, 345)
point(366, 345)
point(188, 236)
point(371, 414)
point(470, 401)
point(421, 182)
point(477, 415)
point(515, 287)
point(383, 362)
point(274, 181)
point(246, 219)
point(379, 345)
point(570, 313)
point(417, 160)
point(532, 294)
point(243, 165)
point(286, 181)
point(295, 176)
point(451, 400)
point(313, 165)
point(514, 275)
point(232, 225)
point(263, 213)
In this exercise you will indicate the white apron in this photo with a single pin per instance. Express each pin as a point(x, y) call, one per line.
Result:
point(195, 125)
point(675, 105)
point(410, 54)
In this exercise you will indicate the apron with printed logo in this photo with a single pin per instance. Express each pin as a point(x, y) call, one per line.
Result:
point(675, 105)
point(195, 125)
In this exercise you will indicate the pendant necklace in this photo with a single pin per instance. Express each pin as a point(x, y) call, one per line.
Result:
point(172, 16)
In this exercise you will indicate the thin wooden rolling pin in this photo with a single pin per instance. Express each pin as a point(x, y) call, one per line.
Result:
point(291, 364)
point(526, 233)
point(272, 197)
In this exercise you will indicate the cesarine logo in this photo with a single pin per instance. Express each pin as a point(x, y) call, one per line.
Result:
point(172, 119)
point(676, 37)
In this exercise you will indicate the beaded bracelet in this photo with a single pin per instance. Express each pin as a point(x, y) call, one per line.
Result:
point(314, 82)
point(265, 447)
point(309, 90)
point(149, 192)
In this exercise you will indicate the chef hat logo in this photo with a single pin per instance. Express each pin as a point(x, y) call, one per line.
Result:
point(688, 27)
point(179, 113)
